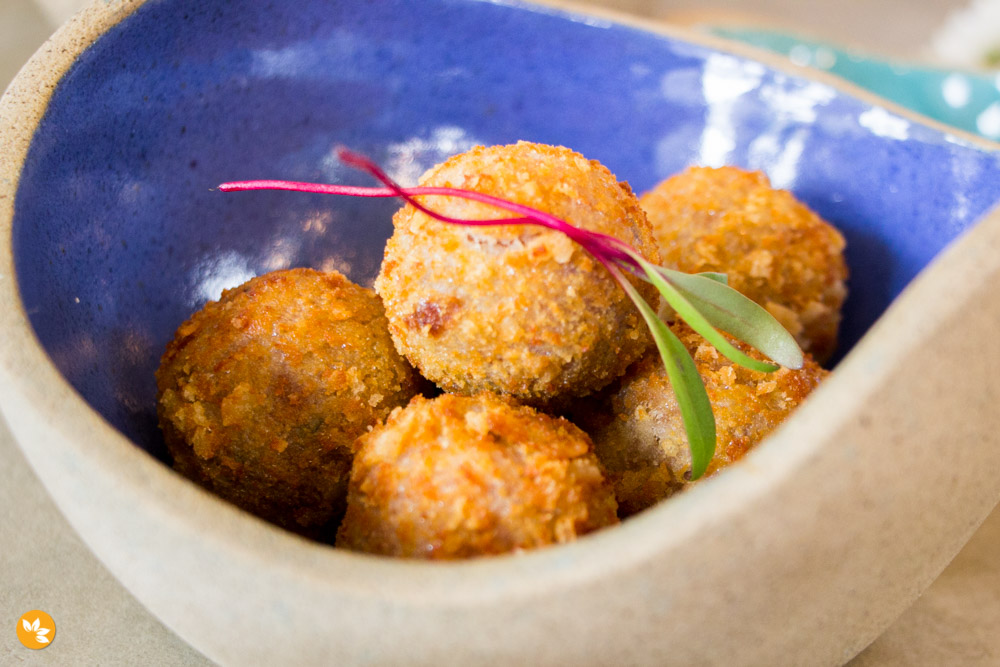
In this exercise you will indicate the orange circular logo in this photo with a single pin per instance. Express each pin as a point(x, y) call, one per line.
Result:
point(36, 629)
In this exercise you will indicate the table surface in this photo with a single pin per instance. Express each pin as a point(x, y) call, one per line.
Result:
point(44, 565)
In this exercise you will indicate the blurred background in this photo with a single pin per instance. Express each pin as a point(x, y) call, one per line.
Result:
point(903, 29)
point(24, 25)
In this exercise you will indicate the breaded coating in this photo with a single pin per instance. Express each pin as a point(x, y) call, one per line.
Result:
point(516, 310)
point(456, 477)
point(639, 436)
point(774, 249)
point(262, 393)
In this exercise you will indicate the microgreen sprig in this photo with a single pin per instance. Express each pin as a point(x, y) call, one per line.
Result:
point(705, 301)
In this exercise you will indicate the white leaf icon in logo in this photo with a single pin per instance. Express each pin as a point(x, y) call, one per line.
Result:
point(25, 625)
point(43, 631)
point(42, 639)
point(35, 625)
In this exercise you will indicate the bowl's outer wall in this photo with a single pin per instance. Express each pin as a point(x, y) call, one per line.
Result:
point(821, 538)
point(119, 234)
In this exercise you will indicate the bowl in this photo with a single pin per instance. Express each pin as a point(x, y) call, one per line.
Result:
point(114, 137)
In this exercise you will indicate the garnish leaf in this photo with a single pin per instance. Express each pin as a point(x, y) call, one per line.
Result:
point(690, 314)
point(740, 317)
point(714, 275)
point(689, 389)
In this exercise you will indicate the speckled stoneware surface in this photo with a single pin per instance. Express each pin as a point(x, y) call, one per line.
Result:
point(112, 235)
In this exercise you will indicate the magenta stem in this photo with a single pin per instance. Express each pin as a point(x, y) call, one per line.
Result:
point(605, 248)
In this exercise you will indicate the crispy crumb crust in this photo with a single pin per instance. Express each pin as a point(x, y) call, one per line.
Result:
point(517, 310)
point(457, 476)
point(637, 429)
point(773, 248)
point(262, 393)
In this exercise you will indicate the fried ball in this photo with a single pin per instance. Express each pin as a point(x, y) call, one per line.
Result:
point(773, 248)
point(639, 436)
point(457, 476)
point(262, 393)
point(517, 310)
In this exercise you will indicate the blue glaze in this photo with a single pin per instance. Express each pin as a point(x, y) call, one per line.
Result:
point(118, 235)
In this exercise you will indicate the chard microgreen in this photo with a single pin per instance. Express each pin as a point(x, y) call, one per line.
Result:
point(740, 317)
point(705, 301)
point(711, 275)
point(689, 390)
point(686, 310)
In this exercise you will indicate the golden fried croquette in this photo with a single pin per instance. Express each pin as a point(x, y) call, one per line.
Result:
point(773, 248)
point(262, 393)
point(517, 310)
point(458, 476)
point(639, 436)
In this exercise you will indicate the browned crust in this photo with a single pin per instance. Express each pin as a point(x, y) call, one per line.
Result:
point(773, 248)
point(458, 476)
point(516, 310)
point(262, 393)
point(637, 429)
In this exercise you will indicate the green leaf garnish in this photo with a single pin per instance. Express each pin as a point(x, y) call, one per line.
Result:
point(713, 275)
point(740, 317)
point(689, 389)
point(699, 322)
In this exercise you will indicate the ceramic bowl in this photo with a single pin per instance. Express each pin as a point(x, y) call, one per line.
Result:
point(114, 136)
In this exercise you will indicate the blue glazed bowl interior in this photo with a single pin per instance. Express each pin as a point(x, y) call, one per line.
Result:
point(119, 236)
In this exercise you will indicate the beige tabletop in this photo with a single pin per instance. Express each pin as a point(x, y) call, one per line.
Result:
point(44, 565)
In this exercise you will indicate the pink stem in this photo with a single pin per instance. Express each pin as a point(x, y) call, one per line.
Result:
point(605, 248)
